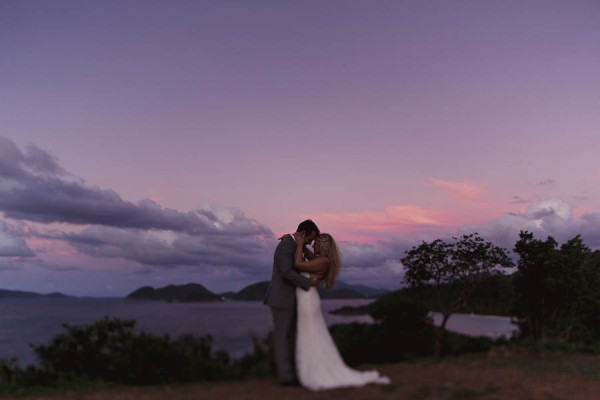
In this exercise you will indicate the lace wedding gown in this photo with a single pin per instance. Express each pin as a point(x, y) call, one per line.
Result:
point(318, 361)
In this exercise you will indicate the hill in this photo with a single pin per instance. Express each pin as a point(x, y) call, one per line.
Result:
point(180, 293)
point(19, 294)
point(254, 292)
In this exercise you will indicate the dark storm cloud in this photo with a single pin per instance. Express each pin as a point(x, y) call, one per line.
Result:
point(169, 248)
point(33, 187)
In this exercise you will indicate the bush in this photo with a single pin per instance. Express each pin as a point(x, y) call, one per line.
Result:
point(110, 350)
point(455, 343)
point(402, 331)
point(259, 362)
point(556, 345)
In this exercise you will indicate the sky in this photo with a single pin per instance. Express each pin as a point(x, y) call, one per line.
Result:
point(157, 142)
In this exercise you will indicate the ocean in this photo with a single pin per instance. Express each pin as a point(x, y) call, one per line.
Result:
point(231, 323)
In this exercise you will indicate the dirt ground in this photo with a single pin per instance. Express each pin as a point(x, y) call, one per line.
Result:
point(498, 375)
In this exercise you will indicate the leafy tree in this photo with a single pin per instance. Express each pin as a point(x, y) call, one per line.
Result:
point(557, 289)
point(462, 266)
point(532, 307)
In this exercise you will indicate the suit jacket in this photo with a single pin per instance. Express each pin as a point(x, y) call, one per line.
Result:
point(285, 278)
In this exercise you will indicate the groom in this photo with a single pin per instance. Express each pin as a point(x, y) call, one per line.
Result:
point(281, 296)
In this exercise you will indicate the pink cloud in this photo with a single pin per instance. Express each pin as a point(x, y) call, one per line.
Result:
point(463, 190)
point(579, 212)
point(396, 219)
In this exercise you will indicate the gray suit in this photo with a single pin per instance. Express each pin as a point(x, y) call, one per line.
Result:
point(281, 296)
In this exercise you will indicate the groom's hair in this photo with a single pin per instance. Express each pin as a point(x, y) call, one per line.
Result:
point(308, 226)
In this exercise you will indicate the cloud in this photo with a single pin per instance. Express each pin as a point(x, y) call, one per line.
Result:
point(18, 165)
point(33, 187)
point(546, 182)
point(58, 268)
point(379, 261)
point(550, 217)
point(11, 244)
point(374, 264)
point(519, 200)
point(394, 220)
point(368, 255)
point(235, 245)
point(463, 190)
point(35, 192)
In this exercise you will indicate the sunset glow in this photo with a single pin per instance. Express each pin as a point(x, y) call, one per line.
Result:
point(173, 142)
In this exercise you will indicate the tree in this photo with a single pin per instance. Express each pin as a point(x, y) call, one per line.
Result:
point(557, 289)
point(532, 306)
point(452, 272)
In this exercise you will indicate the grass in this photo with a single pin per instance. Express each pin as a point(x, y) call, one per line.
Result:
point(514, 374)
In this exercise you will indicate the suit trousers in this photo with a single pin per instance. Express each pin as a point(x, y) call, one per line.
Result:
point(284, 342)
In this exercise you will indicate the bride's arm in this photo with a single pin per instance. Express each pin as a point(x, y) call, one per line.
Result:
point(317, 265)
point(308, 253)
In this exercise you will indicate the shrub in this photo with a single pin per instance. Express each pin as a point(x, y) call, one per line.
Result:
point(259, 362)
point(402, 331)
point(110, 350)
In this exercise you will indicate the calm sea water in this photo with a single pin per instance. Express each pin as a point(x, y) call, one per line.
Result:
point(232, 323)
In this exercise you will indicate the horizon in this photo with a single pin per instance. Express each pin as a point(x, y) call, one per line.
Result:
point(170, 284)
point(147, 143)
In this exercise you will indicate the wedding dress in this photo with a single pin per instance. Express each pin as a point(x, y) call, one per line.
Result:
point(318, 362)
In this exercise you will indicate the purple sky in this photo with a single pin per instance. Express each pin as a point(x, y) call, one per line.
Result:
point(156, 142)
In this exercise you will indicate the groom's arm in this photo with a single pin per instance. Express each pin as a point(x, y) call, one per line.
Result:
point(285, 262)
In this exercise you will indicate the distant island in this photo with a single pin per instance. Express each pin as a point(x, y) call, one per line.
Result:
point(19, 294)
point(190, 292)
point(193, 292)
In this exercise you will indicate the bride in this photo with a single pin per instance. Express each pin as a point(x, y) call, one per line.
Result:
point(318, 361)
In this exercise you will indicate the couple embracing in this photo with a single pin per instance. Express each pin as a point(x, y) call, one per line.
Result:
point(305, 353)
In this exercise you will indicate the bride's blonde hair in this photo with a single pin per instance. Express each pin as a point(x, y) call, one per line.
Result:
point(328, 248)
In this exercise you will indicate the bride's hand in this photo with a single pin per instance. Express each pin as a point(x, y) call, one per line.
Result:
point(299, 236)
point(283, 237)
point(315, 280)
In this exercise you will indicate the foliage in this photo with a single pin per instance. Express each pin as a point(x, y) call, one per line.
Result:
point(557, 289)
point(403, 330)
point(110, 350)
point(452, 272)
point(495, 296)
point(259, 362)
point(556, 345)
point(556, 293)
point(455, 343)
